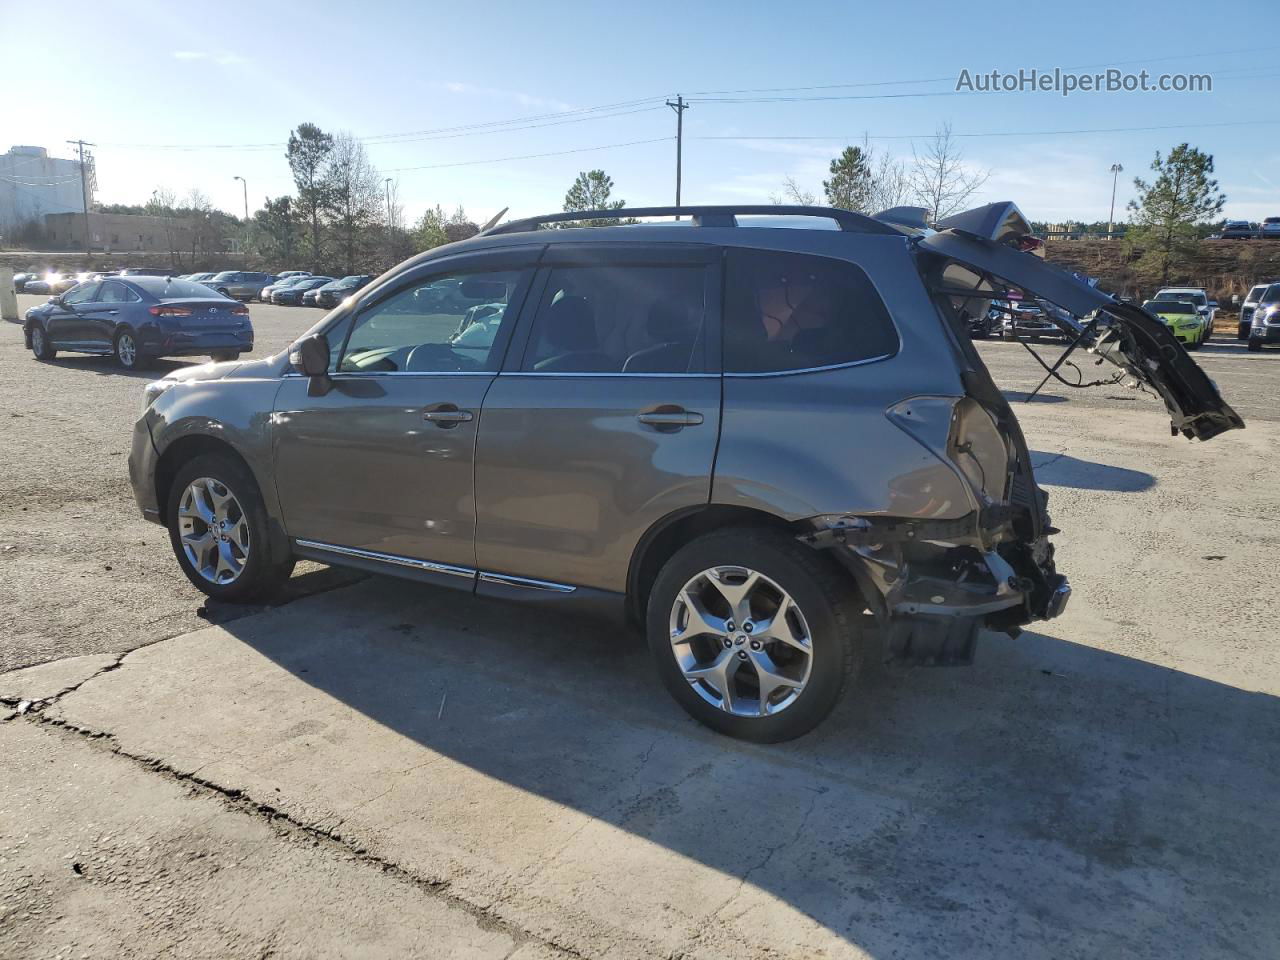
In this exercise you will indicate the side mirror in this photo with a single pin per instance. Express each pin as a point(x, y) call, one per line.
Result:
point(56, 298)
point(310, 357)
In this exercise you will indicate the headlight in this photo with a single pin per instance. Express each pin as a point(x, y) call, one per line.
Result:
point(152, 391)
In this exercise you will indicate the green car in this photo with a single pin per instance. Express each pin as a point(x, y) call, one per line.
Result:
point(1183, 320)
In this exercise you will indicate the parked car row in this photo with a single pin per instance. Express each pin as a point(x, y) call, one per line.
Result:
point(60, 281)
point(1268, 229)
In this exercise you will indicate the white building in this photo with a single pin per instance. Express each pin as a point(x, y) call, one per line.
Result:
point(32, 184)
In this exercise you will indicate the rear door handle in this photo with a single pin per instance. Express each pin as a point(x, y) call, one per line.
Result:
point(669, 417)
point(446, 415)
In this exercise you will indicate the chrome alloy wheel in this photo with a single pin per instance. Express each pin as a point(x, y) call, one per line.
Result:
point(37, 340)
point(741, 641)
point(213, 530)
point(126, 349)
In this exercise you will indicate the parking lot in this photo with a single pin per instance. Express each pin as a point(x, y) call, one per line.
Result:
point(375, 768)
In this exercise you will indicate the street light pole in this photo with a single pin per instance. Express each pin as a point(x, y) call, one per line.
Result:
point(1116, 170)
point(244, 183)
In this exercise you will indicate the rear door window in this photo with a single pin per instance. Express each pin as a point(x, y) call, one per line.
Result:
point(620, 319)
point(793, 311)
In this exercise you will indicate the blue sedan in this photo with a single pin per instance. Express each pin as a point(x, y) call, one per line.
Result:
point(136, 319)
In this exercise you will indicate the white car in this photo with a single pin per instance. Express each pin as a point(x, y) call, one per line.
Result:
point(1208, 309)
point(1270, 229)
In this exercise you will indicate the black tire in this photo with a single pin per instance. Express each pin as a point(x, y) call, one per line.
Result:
point(1193, 345)
point(1242, 332)
point(827, 597)
point(1208, 335)
point(223, 291)
point(223, 356)
point(41, 349)
point(127, 351)
point(1255, 344)
point(264, 570)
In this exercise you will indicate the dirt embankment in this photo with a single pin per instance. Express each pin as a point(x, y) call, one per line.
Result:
point(1225, 268)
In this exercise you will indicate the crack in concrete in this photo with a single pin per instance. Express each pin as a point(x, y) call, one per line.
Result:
point(286, 825)
point(1052, 460)
point(769, 854)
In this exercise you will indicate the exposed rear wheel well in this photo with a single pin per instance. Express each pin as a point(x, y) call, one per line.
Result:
point(662, 540)
point(182, 451)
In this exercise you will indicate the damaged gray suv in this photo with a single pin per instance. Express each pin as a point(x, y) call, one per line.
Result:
point(762, 433)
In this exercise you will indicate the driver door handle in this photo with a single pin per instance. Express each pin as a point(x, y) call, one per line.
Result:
point(669, 416)
point(446, 415)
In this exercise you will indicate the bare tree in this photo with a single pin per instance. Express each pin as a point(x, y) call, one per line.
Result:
point(161, 204)
point(939, 180)
point(792, 194)
point(354, 199)
point(890, 185)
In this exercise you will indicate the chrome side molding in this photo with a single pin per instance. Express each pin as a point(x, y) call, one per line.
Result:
point(393, 559)
point(430, 566)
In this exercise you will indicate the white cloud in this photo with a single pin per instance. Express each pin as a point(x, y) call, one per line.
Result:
point(514, 96)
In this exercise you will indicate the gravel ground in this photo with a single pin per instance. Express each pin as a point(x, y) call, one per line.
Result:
point(82, 573)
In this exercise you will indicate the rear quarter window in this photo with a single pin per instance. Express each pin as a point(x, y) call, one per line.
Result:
point(792, 311)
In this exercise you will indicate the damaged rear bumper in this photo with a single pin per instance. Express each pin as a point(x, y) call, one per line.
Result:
point(931, 584)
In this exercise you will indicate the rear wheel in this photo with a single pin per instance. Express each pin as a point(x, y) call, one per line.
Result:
point(218, 529)
point(753, 633)
point(126, 351)
point(222, 356)
point(1255, 344)
point(1242, 332)
point(41, 348)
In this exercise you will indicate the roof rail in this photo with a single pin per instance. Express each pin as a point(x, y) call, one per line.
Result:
point(704, 216)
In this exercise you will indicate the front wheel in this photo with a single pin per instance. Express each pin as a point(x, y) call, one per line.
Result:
point(41, 348)
point(218, 529)
point(1242, 333)
point(754, 634)
point(1255, 344)
point(223, 356)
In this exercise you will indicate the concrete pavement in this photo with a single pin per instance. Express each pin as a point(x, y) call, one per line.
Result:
point(1102, 786)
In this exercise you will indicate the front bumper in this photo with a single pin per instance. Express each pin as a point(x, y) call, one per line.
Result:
point(1185, 334)
point(142, 470)
point(1268, 334)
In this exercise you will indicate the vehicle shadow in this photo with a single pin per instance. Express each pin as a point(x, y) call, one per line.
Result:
point(107, 366)
point(1063, 470)
point(1025, 396)
point(1053, 800)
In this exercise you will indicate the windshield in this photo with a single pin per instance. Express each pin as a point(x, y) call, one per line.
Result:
point(225, 275)
point(1272, 295)
point(1169, 306)
point(1197, 298)
point(1256, 293)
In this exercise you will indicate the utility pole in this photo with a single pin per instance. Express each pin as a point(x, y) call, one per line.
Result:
point(386, 184)
point(679, 107)
point(1116, 170)
point(84, 192)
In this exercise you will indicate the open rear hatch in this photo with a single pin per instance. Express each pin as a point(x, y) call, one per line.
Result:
point(986, 252)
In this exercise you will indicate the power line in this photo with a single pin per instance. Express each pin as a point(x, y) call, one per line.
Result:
point(998, 133)
point(530, 156)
